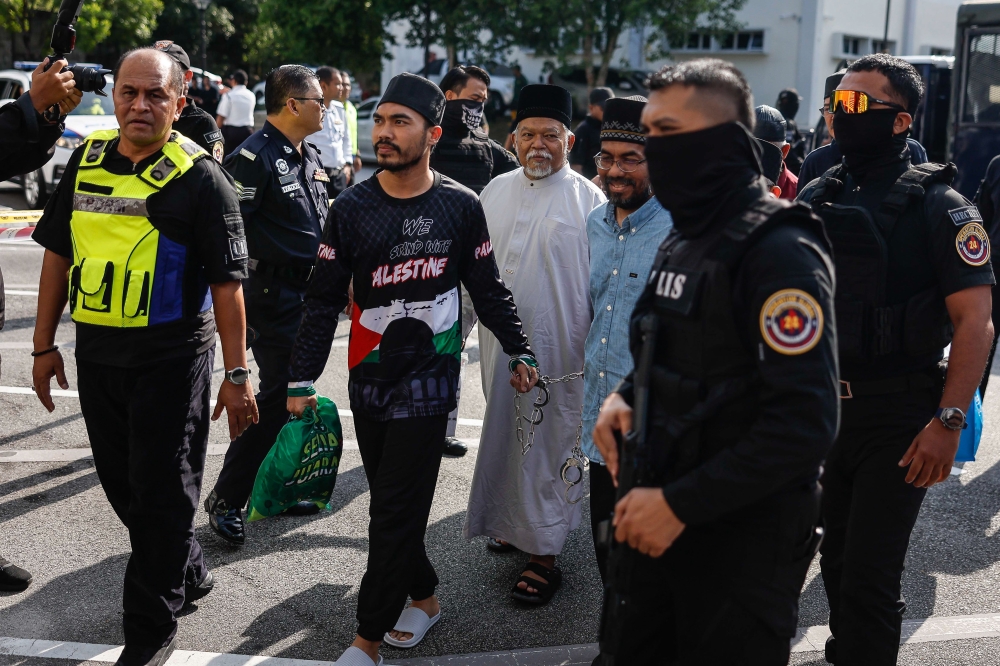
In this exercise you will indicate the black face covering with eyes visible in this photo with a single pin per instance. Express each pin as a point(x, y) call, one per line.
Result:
point(694, 174)
point(866, 139)
point(464, 112)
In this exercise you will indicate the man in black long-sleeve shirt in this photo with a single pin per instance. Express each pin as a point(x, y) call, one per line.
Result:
point(26, 140)
point(743, 401)
point(407, 237)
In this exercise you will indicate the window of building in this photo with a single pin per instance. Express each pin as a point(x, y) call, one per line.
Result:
point(744, 40)
point(935, 51)
point(852, 45)
point(879, 46)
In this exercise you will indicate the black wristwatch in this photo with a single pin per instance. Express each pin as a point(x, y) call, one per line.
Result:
point(238, 376)
point(952, 418)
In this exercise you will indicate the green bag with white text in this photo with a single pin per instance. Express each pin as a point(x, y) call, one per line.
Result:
point(302, 464)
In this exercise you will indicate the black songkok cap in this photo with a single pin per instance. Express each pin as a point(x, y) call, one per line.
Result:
point(622, 120)
point(770, 124)
point(832, 82)
point(417, 93)
point(770, 160)
point(541, 100)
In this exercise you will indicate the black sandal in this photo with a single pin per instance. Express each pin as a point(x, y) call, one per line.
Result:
point(498, 546)
point(552, 579)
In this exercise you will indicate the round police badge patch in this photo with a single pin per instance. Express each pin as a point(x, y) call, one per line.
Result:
point(282, 166)
point(791, 322)
point(218, 151)
point(973, 244)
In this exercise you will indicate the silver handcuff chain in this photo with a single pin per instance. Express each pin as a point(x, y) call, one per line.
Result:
point(576, 459)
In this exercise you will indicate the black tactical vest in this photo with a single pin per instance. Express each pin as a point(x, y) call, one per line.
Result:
point(702, 366)
point(465, 156)
point(867, 325)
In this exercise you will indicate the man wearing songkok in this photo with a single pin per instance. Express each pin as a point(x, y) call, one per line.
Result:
point(537, 217)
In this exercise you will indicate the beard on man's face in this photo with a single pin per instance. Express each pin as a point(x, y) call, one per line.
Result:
point(400, 159)
point(633, 199)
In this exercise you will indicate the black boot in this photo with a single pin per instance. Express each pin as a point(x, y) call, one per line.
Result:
point(226, 521)
point(831, 650)
point(13, 578)
point(454, 448)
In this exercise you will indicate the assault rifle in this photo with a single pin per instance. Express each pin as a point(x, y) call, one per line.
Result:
point(633, 471)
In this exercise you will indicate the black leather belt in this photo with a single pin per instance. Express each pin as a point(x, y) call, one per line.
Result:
point(267, 270)
point(901, 384)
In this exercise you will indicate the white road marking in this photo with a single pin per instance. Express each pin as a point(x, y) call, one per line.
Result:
point(807, 639)
point(72, 455)
point(61, 393)
point(30, 345)
point(19, 292)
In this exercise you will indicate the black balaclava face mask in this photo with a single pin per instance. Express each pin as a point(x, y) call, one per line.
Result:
point(464, 112)
point(866, 139)
point(695, 173)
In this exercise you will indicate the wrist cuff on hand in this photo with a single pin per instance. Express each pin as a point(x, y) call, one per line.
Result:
point(301, 392)
point(527, 359)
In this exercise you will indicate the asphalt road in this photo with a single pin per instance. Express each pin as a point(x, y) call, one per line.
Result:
point(291, 591)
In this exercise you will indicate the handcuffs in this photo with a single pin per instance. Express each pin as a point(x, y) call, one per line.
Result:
point(576, 461)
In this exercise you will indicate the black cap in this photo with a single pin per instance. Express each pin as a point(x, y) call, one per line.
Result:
point(600, 96)
point(622, 120)
point(417, 93)
point(174, 51)
point(541, 100)
point(832, 82)
point(770, 124)
point(770, 160)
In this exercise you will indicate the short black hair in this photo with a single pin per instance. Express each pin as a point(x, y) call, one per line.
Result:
point(600, 96)
point(176, 80)
point(240, 77)
point(284, 82)
point(325, 73)
point(458, 78)
point(709, 74)
point(903, 77)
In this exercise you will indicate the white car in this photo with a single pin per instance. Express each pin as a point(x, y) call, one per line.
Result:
point(365, 125)
point(94, 113)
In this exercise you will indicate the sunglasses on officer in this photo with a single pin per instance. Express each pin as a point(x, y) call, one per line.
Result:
point(855, 101)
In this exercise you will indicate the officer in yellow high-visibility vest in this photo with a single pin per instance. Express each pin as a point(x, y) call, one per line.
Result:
point(144, 239)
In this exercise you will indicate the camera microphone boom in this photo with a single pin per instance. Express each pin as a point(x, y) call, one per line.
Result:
point(88, 79)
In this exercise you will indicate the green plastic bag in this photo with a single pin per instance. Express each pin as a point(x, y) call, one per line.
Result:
point(302, 464)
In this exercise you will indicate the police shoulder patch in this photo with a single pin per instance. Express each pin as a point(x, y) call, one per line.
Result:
point(973, 244)
point(218, 151)
point(791, 322)
point(247, 154)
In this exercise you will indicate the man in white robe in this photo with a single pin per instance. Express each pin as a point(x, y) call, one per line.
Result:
point(537, 217)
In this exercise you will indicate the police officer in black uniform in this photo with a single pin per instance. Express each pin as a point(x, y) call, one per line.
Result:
point(743, 403)
point(26, 140)
point(282, 188)
point(988, 203)
point(913, 273)
point(465, 152)
point(195, 123)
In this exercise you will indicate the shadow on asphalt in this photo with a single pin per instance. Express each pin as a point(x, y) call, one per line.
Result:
point(15, 507)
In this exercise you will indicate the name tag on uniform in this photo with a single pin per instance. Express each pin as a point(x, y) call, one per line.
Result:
point(964, 215)
point(320, 175)
point(291, 188)
point(676, 289)
point(284, 180)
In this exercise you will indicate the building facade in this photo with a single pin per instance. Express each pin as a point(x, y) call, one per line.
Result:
point(783, 44)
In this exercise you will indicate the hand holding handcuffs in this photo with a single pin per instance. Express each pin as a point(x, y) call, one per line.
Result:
point(576, 460)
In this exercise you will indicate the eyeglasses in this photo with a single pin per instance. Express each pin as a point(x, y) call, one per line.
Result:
point(318, 100)
point(604, 163)
point(855, 101)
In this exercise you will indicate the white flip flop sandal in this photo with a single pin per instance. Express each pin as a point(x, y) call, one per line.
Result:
point(355, 656)
point(412, 621)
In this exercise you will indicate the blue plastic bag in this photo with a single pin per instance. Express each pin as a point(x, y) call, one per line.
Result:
point(968, 443)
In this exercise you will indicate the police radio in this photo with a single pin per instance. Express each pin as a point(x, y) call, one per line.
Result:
point(88, 79)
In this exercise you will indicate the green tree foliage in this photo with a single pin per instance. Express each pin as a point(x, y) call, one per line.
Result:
point(459, 25)
point(227, 24)
point(125, 23)
point(588, 31)
point(350, 34)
